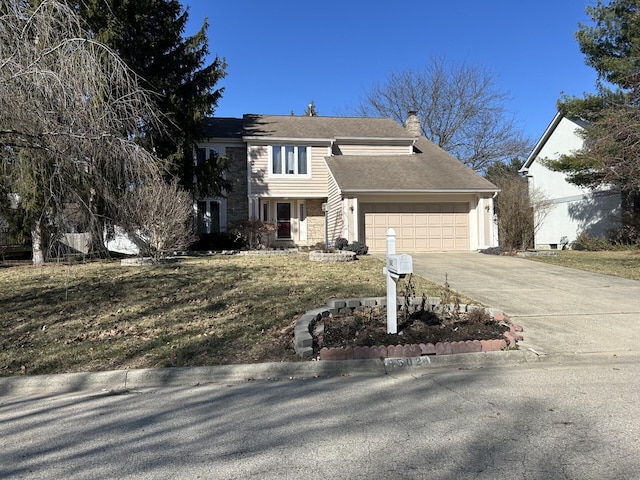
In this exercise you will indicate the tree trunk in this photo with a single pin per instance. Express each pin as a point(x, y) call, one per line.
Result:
point(37, 247)
point(96, 245)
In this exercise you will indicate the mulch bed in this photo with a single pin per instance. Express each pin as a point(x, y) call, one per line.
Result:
point(368, 327)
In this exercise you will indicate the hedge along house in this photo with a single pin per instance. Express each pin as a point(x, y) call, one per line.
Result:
point(319, 178)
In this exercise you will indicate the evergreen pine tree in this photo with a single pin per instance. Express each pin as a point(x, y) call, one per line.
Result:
point(149, 36)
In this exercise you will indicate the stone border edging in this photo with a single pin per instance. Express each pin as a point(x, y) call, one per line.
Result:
point(303, 339)
point(339, 256)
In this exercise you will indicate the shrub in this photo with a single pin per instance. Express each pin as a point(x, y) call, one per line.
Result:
point(158, 217)
point(217, 241)
point(359, 248)
point(478, 315)
point(624, 235)
point(255, 233)
point(341, 243)
point(591, 243)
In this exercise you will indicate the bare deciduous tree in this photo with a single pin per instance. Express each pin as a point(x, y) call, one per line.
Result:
point(460, 110)
point(64, 102)
point(520, 211)
point(159, 216)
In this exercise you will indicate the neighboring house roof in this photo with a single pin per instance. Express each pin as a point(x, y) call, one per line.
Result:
point(430, 170)
point(545, 138)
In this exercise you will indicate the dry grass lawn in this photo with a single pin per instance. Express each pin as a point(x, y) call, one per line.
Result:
point(622, 263)
point(198, 311)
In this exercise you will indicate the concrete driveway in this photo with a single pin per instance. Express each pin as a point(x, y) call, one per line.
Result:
point(563, 311)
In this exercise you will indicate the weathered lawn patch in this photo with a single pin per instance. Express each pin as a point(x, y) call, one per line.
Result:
point(620, 263)
point(200, 311)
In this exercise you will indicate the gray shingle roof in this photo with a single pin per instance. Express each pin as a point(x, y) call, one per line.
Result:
point(224, 127)
point(288, 126)
point(430, 170)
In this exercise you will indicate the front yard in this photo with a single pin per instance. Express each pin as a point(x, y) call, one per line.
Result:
point(198, 311)
point(622, 263)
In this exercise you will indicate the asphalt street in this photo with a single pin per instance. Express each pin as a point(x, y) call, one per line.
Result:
point(530, 421)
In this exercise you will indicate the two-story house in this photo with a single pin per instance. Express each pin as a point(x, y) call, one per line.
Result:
point(319, 178)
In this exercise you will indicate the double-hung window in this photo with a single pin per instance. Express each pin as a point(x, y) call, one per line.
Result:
point(289, 160)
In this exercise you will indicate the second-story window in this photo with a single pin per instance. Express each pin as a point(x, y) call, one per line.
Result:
point(289, 160)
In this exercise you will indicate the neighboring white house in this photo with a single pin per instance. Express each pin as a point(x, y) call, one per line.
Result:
point(575, 209)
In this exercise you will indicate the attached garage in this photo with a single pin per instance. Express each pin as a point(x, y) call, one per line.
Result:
point(433, 202)
point(419, 227)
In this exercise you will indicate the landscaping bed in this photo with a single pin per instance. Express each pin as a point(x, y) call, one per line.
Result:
point(368, 327)
point(357, 329)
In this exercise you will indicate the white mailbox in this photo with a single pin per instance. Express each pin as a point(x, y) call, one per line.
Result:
point(400, 264)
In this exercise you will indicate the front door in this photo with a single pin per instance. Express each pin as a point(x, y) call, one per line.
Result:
point(283, 212)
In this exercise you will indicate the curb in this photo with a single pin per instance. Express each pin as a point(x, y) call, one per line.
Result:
point(120, 381)
point(127, 380)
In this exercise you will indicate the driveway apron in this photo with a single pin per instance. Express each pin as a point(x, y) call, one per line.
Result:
point(563, 310)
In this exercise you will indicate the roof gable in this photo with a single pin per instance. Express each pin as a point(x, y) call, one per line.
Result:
point(548, 133)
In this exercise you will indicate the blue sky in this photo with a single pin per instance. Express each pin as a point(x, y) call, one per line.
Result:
point(281, 54)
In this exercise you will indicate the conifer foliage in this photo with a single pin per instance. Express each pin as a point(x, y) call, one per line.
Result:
point(149, 36)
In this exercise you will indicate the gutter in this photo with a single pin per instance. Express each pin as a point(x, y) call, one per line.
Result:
point(269, 140)
point(417, 190)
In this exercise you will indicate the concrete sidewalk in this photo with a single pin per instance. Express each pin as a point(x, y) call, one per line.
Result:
point(563, 311)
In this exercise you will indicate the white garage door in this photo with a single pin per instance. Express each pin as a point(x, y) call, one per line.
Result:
point(419, 227)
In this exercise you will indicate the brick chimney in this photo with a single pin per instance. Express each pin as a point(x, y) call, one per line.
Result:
point(412, 124)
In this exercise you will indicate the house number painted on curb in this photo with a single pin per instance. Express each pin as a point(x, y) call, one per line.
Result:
point(405, 362)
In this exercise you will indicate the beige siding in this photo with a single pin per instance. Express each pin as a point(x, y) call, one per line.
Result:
point(265, 185)
point(334, 211)
point(373, 150)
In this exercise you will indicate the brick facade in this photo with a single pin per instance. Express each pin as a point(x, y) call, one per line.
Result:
point(315, 221)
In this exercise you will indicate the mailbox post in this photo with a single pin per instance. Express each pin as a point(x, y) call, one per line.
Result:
point(397, 267)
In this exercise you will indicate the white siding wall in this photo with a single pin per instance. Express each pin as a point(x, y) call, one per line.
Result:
point(487, 233)
point(574, 209)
